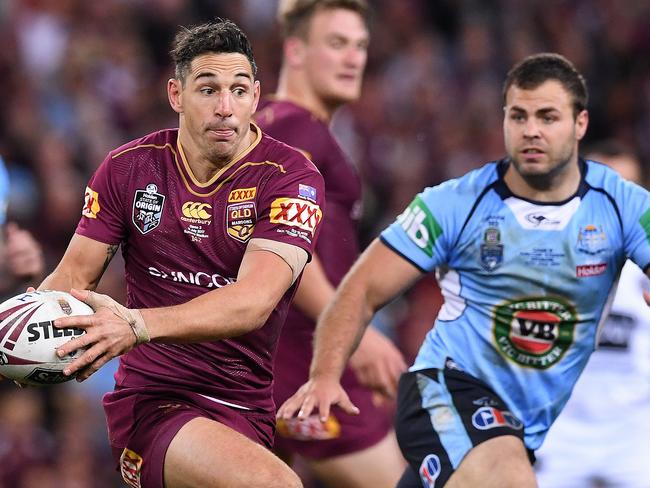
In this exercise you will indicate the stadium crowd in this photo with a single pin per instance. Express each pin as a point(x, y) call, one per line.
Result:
point(81, 78)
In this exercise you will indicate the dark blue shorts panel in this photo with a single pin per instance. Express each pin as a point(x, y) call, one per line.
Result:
point(441, 415)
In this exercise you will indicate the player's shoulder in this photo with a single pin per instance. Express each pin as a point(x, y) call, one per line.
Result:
point(287, 120)
point(466, 188)
point(290, 158)
point(603, 178)
point(154, 142)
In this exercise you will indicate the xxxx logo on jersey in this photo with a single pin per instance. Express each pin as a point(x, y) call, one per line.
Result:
point(534, 332)
point(91, 204)
point(296, 212)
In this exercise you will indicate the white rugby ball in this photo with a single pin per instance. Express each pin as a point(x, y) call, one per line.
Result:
point(28, 339)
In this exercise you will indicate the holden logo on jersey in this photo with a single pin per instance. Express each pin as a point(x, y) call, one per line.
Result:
point(240, 221)
point(534, 332)
point(592, 240)
point(242, 194)
point(147, 208)
point(491, 249)
point(91, 204)
point(296, 212)
point(420, 225)
point(485, 418)
point(309, 429)
point(430, 469)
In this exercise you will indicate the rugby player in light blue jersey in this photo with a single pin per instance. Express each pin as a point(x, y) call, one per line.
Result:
point(528, 251)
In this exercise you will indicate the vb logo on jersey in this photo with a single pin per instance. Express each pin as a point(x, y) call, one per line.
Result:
point(534, 332)
point(147, 208)
point(420, 225)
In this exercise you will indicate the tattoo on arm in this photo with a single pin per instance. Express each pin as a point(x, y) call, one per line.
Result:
point(110, 252)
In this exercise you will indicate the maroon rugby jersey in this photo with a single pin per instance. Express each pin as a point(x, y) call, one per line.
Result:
point(338, 245)
point(181, 238)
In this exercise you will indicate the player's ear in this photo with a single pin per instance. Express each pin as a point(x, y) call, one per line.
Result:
point(294, 51)
point(582, 121)
point(175, 94)
point(256, 95)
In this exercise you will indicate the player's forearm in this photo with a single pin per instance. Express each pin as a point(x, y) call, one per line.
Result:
point(227, 312)
point(65, 279)
point(315, 290)
point(340, 329)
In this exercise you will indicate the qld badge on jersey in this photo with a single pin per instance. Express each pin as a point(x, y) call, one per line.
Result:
point(491, 249)
point(147, 208)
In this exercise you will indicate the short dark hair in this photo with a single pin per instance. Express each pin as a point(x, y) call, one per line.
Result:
point(219, 36)
point(295, 16)
point(539, 68)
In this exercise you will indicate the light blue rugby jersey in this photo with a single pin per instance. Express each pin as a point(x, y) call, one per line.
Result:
point(525, 283)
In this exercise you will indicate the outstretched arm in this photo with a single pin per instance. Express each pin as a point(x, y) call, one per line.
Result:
point(377, 363)
point(82, 265)
point(230, 311)
point(378, 276)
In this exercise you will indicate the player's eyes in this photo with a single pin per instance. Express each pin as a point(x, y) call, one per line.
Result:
point(517, 117)
point(240, 92)
point(207, 91)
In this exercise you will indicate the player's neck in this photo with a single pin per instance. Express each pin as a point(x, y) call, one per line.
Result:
point(556, 188)
point(204, 166)
point(293, 88)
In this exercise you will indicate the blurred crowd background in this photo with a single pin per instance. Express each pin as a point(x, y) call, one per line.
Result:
point(82, 77)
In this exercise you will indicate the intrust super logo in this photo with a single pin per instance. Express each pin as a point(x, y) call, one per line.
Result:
point(91, 204)
point(196, 211)
point(296, 212)
point(534, 332)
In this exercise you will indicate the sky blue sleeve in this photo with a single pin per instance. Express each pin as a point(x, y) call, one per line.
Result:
point(635, 210)
point(417, 234)
point(4, 192)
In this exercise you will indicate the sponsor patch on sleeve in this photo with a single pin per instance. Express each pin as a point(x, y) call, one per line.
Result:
point(130, 467)
point(296, 212)
point(420, 225)
point(91, 204)
point(306, 191)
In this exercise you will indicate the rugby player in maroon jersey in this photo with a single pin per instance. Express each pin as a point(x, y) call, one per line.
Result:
point(216, 221)
point(325, 50)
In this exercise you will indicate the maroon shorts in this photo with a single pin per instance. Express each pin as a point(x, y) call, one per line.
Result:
point(142, 423)
point(342, 433)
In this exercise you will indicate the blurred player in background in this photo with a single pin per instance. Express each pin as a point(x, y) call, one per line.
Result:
point(325, 52)
point(21, 257)
point(602, 437)
point(216, 221)
point(527, 251)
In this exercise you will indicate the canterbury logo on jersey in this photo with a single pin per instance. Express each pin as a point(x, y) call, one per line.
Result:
point(242, 194)
point(197, 210)
point(420, 225)
point(296, 212)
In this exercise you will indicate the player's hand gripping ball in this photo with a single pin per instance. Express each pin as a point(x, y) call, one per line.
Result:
point(28, 338)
